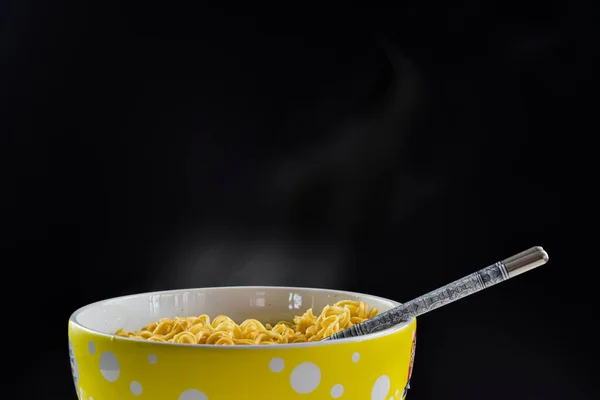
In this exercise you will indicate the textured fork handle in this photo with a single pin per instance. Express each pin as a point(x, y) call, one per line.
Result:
point(482, 279)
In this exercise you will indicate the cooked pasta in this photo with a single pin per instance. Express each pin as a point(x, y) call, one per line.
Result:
point(224, 331)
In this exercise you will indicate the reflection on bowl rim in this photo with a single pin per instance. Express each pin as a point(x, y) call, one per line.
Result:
point(370, 336)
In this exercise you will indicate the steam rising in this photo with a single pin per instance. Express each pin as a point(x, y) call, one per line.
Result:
point(323, 194)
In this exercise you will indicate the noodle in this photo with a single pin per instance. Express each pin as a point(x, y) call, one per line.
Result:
point(224, 331)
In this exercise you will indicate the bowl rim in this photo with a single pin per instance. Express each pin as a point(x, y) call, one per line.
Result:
point(370, 336)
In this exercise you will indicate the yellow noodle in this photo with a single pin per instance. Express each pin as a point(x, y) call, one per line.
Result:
point(222, 330)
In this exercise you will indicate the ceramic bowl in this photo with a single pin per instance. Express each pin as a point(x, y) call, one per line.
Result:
point(108, 367)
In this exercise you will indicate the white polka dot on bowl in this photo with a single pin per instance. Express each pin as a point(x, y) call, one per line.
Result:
point(92, 347)
point(380, 388)
point(193, 394)
point(276, 365)
point(337, 391)
point(109, 366)
point(136, 388)
point(305, 377)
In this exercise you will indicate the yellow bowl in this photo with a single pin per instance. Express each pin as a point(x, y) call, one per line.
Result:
point(108, 367)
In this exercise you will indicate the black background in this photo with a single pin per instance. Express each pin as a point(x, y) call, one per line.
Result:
point(383, 150)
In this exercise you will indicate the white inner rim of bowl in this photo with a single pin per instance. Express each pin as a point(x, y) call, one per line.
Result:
point(268, 304)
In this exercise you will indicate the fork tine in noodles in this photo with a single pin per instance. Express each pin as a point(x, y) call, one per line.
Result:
point(222, 330)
